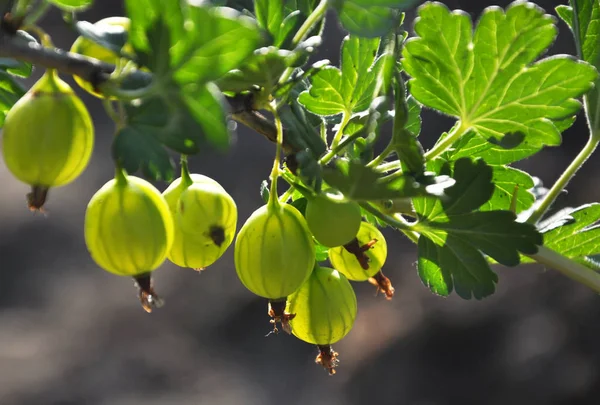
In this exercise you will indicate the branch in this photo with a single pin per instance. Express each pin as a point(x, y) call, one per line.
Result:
point(89, 69)
point(97, 72)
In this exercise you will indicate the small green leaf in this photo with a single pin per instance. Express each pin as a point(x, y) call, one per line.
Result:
point(289, 25)
point(299, 133)
point(269, 15)
point(371, 18)
point(300, 204)
point(10, 92)
point(349, 89)
point(321, 252)
point(566, 14)
point(408, 149)
point(135, 149)
point(488, 78)
point(72, 5)
point(264, 191)
point(263, 68)
point(17, 67)
point(575, 232)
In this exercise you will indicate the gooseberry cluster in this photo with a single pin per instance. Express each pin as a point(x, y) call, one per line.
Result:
point(131, 228)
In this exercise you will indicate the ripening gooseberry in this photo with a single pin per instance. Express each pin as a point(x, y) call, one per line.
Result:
point(372, 244)
point(48, 137)
point(324, 307)
point(333, 222)
point(274, 251)
point(205, 219)
point(128, 226)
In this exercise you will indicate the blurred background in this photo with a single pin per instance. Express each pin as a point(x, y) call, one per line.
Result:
point(73, 334)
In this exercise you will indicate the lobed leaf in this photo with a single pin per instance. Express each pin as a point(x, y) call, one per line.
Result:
point(371, 18)
point(575, 233)
point(454, 236)
point(487, 78)
point(583, 17)
point(351, 88)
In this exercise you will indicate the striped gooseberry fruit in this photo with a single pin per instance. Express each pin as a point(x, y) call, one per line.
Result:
point(332, 220)
point(205, 218)
point(274, 251)
point(325, 310)
point(129, 230)
point(363, 257)
point(48, 137)
point(86, 47)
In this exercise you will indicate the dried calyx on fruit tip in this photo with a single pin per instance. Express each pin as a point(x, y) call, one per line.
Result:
point(327, 358)
point(383, 285)
point(148, 297)
point(48, 137)
point(278, 315)
point(37, 198)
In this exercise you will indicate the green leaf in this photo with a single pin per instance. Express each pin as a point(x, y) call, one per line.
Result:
point(10, 92)
point(371, 18)
point(361, 183)
point(454, 266)
point(566, 14)
point(472, 144)
point(509, 184)
point(289, 26)
point(72, 5)
point(182, 120)
point(455, 236)
point(488, 79)
point(145, 14)
point(216, 41)
point(109, 36)
point(134, 149)
point(575, 232)
point(408, 149)
point(17, 67)
point(207, 106)
point(349, 89)
point(194, 44)
point(321, 252)
point(584, 20)
point(269, 15)
point(264, 68)
point(299, 133)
